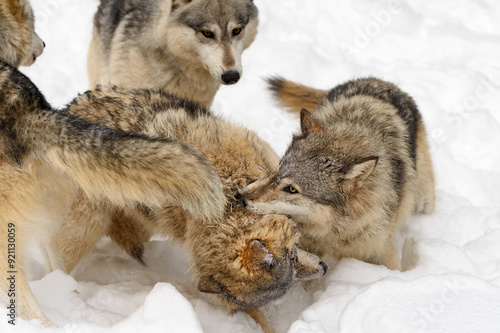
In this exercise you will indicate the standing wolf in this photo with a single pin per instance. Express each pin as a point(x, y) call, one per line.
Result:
point(187, 47)
point(19, 43)
point(246, 259)
point(46, 155)
point(360, 166)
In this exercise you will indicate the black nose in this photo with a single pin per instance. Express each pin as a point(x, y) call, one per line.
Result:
point(230, 77)
point(325, 267)
point(240, 198)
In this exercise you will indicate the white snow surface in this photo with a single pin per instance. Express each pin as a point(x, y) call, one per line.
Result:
point(446, 54)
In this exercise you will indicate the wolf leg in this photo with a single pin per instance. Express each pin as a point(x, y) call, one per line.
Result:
point(130, 235)
point(84, 225)
point(426, 187)
point(14, 287)
point(391, 257)
point(260, 319)
point(52, 255)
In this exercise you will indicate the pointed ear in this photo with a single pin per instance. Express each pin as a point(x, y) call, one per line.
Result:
point(208, 284)
point(358, 173)
point(308, 266)
point(309, 123)
point(256, 256)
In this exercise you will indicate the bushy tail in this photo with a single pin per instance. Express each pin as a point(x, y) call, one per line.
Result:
point(124, 167)
point(294, 96)
point(129, 168)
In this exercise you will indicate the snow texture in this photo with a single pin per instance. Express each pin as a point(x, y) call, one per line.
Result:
point(446, 54)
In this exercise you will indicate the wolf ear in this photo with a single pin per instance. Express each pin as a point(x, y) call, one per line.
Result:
point(309, 123)
point(176, 4)
point(256, 256)
point(208, 284)
point(358, 173)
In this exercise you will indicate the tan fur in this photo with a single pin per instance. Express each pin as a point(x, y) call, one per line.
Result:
point(19, 43)
point(426, 196)
point(260, 319)
point(167, 53)
point(246, 259)
point(295, 96)
point(350, 179)
point(48, 156)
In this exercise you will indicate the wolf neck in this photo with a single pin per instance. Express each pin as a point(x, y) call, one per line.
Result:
point(179, 77)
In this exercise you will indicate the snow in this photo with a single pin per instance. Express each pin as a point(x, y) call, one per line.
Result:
point(445, 54)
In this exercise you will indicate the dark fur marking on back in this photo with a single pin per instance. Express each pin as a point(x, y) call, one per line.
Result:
point(404, 104)
point(193, 109)
point(398, 177)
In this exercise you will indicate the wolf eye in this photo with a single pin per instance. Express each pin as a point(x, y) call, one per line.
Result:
point(290, 189)
point(208, 34)
point(237, 31)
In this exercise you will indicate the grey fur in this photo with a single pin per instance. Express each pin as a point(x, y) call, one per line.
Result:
point(359, 167)
point(188, 48)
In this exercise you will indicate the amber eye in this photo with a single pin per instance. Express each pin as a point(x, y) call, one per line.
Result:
point(208, 34)
point(237, 31)
point(290, 189)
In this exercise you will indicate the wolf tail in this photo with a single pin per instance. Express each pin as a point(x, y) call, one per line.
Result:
point(127, 167)
point(123, 167)
point(294, 96)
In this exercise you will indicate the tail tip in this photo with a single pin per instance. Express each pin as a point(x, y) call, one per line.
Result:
point(275, 84)
point(138, 254)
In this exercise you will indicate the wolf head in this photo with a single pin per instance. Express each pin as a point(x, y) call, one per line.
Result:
point(257, 260)
point(317, 182)
point(19, 43)
point(214, 32)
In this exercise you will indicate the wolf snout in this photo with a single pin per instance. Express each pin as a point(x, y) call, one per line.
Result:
point(230, 77)
point(309, 266)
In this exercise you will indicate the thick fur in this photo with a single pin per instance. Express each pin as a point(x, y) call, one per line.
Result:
point(46, 155)
point(295, 96)
point(247, 259)
point(360, 166)
point(19, 43)
point(188, 48)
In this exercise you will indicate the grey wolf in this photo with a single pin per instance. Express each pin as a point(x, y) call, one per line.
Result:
point(48, 155)
point(189, 48)
point(19, 43)
point(245, 260)
point(360, 166)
